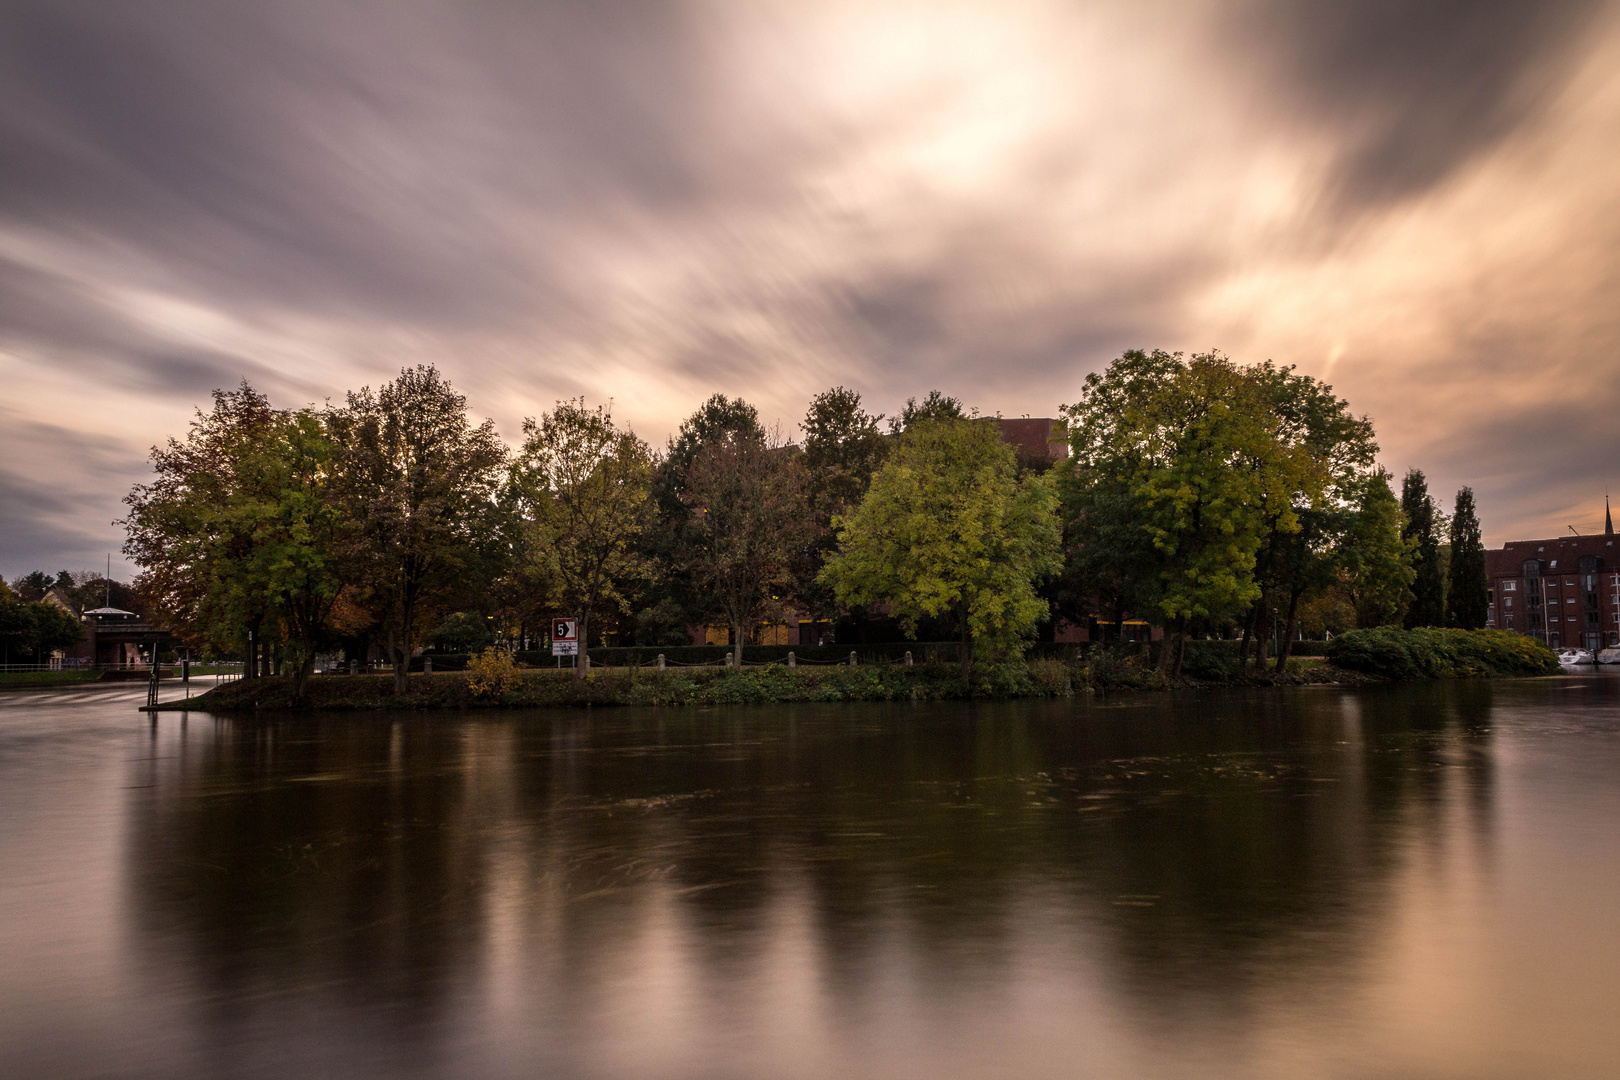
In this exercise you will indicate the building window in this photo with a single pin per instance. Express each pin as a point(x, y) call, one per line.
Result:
point(1510, 620)
point(1507, 601)
point(1512, 586)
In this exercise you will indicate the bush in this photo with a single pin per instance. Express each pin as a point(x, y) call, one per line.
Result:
point(1440, 654)
point(1211, 661)
point(492, 674)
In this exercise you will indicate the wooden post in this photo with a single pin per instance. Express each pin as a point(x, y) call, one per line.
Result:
point(908, 658)
point(660, 661)
point(852, 658)
point(793, 661)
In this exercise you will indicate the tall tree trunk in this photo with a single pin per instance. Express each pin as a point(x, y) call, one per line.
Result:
point(1181, 643)
point(1286, 647)
point(736, 644)
point(401, 662)
point(1165, 642)
point(1248, 637)
point(301, 674)
point(583, 657)
point(1261, 640)
point(965, 656)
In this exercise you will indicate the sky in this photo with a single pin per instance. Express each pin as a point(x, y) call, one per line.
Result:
point(1417, 201)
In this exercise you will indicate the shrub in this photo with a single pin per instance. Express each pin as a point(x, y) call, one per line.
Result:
point(491, 674)
point(1050, 677)
point(1440, 654)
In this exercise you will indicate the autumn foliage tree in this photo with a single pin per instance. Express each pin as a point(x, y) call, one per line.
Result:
point(747, 525)
point(586, 489)
point(425, 489)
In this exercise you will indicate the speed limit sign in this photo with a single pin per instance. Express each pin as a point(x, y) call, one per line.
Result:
point(564, 637)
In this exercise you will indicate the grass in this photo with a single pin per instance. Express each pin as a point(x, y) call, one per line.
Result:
point(21, 680)
point(643, 686)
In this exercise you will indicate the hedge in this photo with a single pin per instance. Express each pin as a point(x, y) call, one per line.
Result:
point(1440, 654)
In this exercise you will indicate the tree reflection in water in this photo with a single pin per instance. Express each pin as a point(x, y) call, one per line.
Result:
point(656, 892)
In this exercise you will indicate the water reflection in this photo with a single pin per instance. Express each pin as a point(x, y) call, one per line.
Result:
point(1217, 885)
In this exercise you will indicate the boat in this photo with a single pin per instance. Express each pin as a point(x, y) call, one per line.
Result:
point(1573, 657)
point(1609, 656)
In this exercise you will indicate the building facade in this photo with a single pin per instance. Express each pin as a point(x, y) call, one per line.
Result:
point(1564, 591)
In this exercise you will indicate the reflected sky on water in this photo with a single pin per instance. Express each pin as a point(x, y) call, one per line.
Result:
point(1414, 881)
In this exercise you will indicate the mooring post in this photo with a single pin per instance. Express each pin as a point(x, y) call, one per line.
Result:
point(908, 658)
point(793, 661)
point(427, 665)
point(852, 658)
point(660, 661)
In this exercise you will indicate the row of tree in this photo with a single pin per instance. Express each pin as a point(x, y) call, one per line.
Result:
point(1199, 493)
point(30, 628)
point(1206, 495)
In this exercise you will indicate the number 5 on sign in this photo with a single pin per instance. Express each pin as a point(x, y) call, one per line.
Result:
point(564, 637)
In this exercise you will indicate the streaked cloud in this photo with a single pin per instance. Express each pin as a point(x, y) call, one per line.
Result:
point(655, 201)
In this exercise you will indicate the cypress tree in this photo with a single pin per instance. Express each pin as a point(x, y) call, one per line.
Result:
point(1422, 530)
point(1468, 597)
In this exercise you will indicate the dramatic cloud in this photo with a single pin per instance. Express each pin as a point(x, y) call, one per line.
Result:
point(656, 201)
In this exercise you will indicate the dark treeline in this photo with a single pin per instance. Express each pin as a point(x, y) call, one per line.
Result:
point(1201, 496)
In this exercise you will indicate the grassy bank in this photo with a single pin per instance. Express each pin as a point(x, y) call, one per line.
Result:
point(714, 686)
point(643, 686)
point(25, 680)
point(1358, 658)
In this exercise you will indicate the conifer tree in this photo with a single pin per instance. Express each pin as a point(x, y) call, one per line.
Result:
point(1468, 595)
point(1422, 531)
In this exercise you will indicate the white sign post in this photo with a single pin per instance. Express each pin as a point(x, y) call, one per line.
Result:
point(564, 638)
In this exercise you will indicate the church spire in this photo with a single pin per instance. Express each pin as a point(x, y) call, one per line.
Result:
point(1608, 522)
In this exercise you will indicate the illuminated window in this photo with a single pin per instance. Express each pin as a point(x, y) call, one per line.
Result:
point(1511, 586)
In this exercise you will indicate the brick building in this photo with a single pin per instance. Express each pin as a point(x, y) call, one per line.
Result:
point(1564, 591)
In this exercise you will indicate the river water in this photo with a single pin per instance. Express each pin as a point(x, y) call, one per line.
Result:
point(1414, 881)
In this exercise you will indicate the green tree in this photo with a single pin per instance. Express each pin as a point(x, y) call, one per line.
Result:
point(842, 449)
point(1375, 563)
point(748, 526)
point(300, 532)
point(1468, 595)
point(936, 407)
point(194, 534)
point(32, 587)
point(1330, 454)
point(239, 530)
point(586, 490)
point(33, 628)
point(948, 529)
point(1186, 450)
point(425, 489)
point(1424, 524)
point(715, 421)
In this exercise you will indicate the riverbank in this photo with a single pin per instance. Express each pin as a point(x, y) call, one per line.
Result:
point(36, 680)
point(719, 686)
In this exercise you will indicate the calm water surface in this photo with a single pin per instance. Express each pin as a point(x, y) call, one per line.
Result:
point(1407, 882)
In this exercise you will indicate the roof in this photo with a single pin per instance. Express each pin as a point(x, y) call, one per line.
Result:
point(1040, 438)
point(108, 611)
point(1559, 554)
